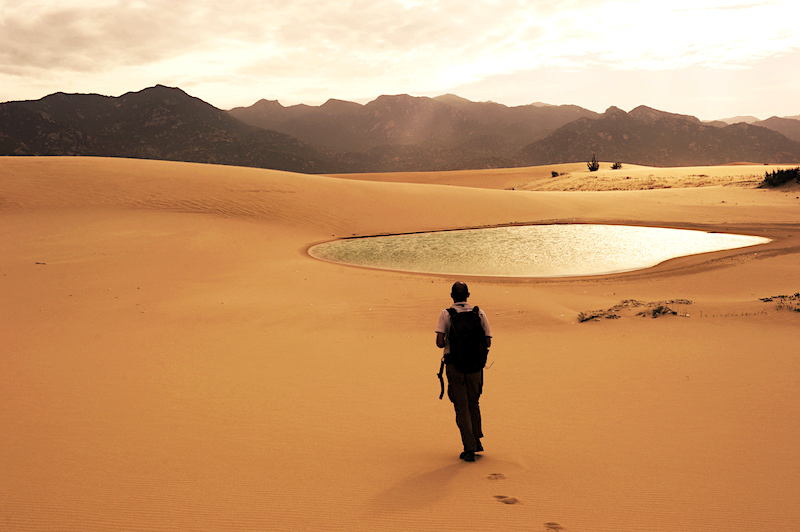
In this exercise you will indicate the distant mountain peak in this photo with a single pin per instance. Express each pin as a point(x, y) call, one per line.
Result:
point(649, 115)
point(452, 98)
point(615, 111)
point(160, 90)
point(335, 106)
point(396, 98)
point(736, 119)
point(267, 103)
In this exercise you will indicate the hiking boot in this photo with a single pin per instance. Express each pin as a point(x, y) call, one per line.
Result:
point(468, 456)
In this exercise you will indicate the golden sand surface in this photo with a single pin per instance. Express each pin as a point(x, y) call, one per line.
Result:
point(575, 176)
point(172, 359)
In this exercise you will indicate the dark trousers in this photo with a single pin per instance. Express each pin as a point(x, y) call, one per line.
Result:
point(464, 391)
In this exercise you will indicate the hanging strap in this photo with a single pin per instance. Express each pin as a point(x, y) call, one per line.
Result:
point(441, 380)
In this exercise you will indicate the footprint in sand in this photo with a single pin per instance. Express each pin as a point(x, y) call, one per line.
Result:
point(496, 476)
point(553, 527)
point(506, 500)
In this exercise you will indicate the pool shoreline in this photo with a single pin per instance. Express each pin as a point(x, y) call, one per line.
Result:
point(541, 250)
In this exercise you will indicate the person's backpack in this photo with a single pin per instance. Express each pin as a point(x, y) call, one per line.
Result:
point(468, 349)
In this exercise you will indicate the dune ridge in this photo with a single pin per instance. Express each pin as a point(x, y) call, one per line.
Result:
point(173, 359)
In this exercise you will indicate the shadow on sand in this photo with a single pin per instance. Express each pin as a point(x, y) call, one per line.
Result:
point(419, 490)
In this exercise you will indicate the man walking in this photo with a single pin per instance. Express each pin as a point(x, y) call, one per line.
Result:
point(464, 334)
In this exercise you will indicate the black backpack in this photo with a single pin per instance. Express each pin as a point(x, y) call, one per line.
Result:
point(468, 349)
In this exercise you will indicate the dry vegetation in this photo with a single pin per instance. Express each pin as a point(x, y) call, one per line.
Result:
point(653, 309)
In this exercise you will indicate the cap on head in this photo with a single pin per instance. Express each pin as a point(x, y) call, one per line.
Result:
point(460, 292)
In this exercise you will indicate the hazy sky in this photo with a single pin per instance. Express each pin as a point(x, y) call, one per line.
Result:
point(708, 58)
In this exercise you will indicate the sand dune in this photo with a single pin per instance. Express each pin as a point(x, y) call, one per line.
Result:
point(575, 176)
point(173, 360)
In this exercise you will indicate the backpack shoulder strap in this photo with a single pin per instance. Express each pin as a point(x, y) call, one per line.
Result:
point(477, 312)
point(452, 311)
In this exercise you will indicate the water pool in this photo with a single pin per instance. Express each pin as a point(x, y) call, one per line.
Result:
point(529, 251)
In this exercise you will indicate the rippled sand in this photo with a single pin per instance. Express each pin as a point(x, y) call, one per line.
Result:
point(172, 359)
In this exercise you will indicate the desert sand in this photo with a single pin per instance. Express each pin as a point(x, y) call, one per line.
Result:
point(172, 359)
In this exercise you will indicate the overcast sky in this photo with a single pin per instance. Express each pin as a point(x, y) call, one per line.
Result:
point(707, 58)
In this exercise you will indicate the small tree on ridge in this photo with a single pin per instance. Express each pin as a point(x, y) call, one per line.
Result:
point(593, 165)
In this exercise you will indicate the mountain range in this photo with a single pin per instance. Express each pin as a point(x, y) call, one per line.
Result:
point(156, 123)
point(391, 133)
point(655, 138)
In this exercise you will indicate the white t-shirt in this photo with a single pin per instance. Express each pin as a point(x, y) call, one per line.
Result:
point(443, 325)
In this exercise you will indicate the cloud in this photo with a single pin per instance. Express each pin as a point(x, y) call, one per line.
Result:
point(766, 89)
point(84, 35)
point(725, 7)
point(236, 51)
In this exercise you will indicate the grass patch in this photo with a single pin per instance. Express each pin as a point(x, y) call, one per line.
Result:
point(651, 309)
point(784, 302)
point(780, 177)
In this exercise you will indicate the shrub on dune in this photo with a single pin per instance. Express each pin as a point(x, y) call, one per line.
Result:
point(780, 177)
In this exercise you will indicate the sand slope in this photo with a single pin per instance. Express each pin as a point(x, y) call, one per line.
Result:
point(173, 360)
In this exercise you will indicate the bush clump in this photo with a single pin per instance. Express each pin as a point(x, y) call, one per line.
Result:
point(658, 311)
point(785, 302)
point(593, 164)
point(616, 166)
point(780, 177)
